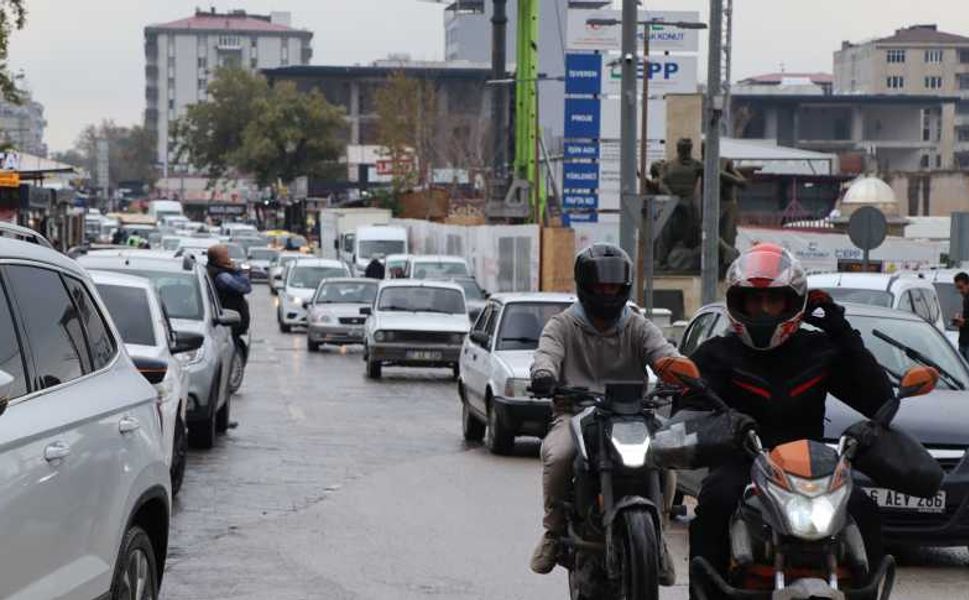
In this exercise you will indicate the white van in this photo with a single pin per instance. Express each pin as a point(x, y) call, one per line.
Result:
point(378, 240)
point(164, 208)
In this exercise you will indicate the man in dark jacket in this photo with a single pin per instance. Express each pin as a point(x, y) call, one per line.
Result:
point(231, 286)
point(779, 375)
point(961, 319)
point(376, 269)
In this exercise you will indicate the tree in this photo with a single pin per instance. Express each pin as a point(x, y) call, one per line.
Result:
point(406, 112)
point(210, 133)
point(131, 151)
point(13, 16)
point(292, 134)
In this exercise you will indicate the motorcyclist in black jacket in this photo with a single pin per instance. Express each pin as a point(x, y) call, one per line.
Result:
point(768, 368)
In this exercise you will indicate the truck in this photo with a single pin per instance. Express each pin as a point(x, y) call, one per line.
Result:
point(338, 226)
point(159, 209)
point(376, 241)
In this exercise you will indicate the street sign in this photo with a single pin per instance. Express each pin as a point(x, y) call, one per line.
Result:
point(867, 228)
point(582, 118)
point(9, 161)
point(9, 179)
point(581, 217)
point(580, 176)
point(583, 36)
point(583, 150)
point(583, 74)
point(580, 200)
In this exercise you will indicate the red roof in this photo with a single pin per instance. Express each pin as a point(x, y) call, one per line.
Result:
point(816, 78)
point(229, 22)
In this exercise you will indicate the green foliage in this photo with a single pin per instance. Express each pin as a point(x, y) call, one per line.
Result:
point(13, 16)
point(406, 111)
point(273, 133)
point(131, 152)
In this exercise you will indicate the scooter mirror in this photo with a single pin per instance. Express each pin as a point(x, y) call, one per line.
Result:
point(677, 370)
point(918, 381)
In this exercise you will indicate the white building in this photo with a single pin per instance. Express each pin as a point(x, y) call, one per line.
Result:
point(181, 57)
point(22, 126)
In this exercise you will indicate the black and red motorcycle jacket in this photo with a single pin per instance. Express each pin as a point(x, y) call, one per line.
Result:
point(784, 389)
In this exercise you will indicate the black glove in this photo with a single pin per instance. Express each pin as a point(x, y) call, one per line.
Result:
point(543, 384)
point(741, 424)
point(833, 322)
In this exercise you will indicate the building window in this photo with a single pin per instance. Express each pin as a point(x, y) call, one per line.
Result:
point(285, 52)
point(895, 82)
point(926, 126)
point(933, 83)
point(964, 56)
point(171, 45)
point(938, 161)
point(171, 92)
point(933, 56)
point(895, 56)
point(963, 79)
point(962, 134)
point(924, 161)
point(254, 42)
point(253, 63)
point(171, 104)
point(203, 62)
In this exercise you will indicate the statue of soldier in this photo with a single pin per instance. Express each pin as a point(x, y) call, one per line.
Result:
point(731, 180)
point(681, 236)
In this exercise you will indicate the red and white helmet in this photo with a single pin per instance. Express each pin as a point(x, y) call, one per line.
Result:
point(766, 268)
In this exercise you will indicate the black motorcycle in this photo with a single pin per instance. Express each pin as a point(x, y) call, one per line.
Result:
point(613, 545)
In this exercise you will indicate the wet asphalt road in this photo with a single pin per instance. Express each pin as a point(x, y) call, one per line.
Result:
point(336, 487)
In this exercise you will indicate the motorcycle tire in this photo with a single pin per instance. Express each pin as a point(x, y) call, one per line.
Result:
point(637, 550)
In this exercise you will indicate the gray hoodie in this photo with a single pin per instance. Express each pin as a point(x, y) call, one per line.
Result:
point(579, 355)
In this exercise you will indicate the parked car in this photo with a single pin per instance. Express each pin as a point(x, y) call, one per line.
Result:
point(938, 420)
point(192, 304)
point(432, 266)
point(260, 261)
point(495, 362)
point(396, 265)
point(415, 324)
point(334, 311)
point(146, 331)
point(302, 278)
point(891, 290)
point(87, 491)
point(949, 298)
point(277, 268)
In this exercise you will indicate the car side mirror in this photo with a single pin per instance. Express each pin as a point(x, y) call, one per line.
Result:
point(229, 318)
point(307, 304)
point(366, 310)
point(480, 338)
point(186, 341)
point(152, 369)
point(6, 381)
point(485, 294)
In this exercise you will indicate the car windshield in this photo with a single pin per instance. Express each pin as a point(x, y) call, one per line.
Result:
point(179, 292)
point(919, 335)
point(349, 292)
point(862, 296)
point(310, 277)
point(250, 242)
point(262, 254)
point(471, 289)
point(370, 247)
point(170, 243)
point(129, 310)
point(522, 324)
point(430, 270)
point(421, 299)
point(286, 260)
point(951, 302)
point(236, 252)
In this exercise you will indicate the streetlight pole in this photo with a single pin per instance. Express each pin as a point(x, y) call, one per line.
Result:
point(629, 201)
point(710, 240)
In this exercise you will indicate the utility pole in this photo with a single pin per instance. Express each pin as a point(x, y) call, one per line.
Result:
point(499, 95)
point(710, 241)
point(630, 202)
point(644, 250)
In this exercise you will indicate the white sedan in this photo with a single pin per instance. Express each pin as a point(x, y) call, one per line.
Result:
point(495, 363)
point(415, 324)
point(136, 310)
point(334, 312)
point(303, 276)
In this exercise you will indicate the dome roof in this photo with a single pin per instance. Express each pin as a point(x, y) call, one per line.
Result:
point(869, 190)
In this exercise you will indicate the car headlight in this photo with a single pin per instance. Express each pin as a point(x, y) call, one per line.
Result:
point(380, 336)
point(321, 317)
point(457, 338)
point(517, 388)
point(192, 356)
point(296, 300)
point(810, 518)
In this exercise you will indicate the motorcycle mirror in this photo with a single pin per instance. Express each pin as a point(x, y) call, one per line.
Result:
point(917, 381)
point(677, 370)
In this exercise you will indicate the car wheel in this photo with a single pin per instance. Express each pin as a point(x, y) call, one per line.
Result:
point(202, 433)
point(472, 429)
point(497, 437)
point(283, 327)
point(179, 455)
point(312, 346)
point(374, 369)
point(222, 416)
point(135, 573)
point(236, 372)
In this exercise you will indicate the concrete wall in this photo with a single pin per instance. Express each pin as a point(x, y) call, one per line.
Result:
point(944, 193)
point(684, 115)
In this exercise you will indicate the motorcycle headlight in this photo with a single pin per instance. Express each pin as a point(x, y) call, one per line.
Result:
point(631, 441)
point(192, 356)
point(810, 517)
point(517, 388)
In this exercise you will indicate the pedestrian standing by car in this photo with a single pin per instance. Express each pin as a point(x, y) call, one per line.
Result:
point(961, 320)
point(231, 286)
point(376, 269)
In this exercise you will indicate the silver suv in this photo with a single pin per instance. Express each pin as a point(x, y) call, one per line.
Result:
point(193, 306)
point(86, 498)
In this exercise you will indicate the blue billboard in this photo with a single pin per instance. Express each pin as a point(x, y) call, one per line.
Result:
point(580, 176)
point(581, 150)
point(583, 74)
point(582, 118)
point(580, 200)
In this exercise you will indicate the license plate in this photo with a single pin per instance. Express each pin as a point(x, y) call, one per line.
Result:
point(423, 355)
point(892, 500)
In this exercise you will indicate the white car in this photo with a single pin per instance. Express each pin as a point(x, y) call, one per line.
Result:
point(495, 363)
point(260, 261)
point(277, 269)
point(303, 276)
point(889, 290)
point(396, 265)
point(334, 311)
point(86, 500)
point(415, 324)
point(432, 266)
point(943, 280)
point(136, 310)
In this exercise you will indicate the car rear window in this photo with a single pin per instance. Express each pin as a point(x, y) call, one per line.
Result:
point(421, 299)
point(522, 324)
point(431, 270)
point(862, 296)
point(179, 292)
point(951, 302)
point(310, 277)
point(129, 310)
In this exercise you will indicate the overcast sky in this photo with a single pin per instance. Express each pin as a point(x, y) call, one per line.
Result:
point(84, 59)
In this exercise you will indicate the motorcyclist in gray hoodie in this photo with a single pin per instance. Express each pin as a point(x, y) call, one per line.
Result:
point(598, 339)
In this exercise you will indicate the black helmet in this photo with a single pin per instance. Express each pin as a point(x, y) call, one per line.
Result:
point(608, 264)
